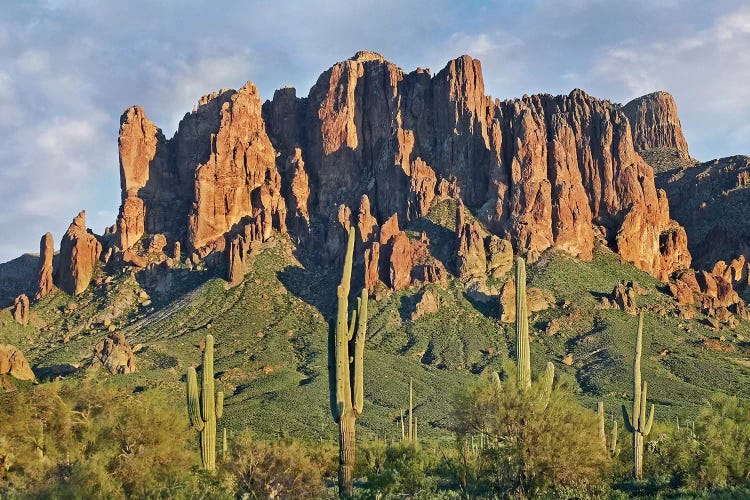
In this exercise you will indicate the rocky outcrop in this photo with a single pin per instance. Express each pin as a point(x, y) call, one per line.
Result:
point(538, 171)
point(13, 363)
point(477, 254)
point(21, 310)
point(654, 122)
point(79, 252)
point(143, 160)
point(114, 354)
point(428, 303)
point(235, 261)
point(710, 201)
point(536, 300)
point(624, 297)
point(239, 178)
point(46, 256)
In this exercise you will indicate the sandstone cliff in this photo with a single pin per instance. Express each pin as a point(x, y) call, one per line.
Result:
point(373, 145)
point(654, 122)
point(79, 252)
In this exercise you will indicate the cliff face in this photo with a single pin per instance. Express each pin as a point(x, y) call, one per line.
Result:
point(540, 172)
point(654, 122)
point(711, 201)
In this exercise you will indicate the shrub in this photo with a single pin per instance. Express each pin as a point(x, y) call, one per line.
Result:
point(91, 440)
point(533, 446)
point(403, 470)
point(716, 454)
point(282, 469)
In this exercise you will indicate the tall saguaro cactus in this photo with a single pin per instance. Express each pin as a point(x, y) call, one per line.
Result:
point(203, 408)
point(637, 423)
point(350, 333)
point(522, 327)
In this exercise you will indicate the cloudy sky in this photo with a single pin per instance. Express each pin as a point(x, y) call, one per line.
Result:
point(68, 68)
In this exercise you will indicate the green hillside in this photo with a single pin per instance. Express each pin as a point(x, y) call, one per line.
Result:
point(271, 339)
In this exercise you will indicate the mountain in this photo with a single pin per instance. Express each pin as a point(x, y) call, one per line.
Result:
point(238, 222)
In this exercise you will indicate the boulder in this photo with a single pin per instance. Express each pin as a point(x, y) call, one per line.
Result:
point(115, 354)
point(428, 303)
point(13, 363)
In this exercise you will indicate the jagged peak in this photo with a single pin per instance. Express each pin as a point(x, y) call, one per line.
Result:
point(367, 55)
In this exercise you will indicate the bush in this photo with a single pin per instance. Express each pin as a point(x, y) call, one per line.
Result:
point(532, 446)
point(91, 440)
point(716, 454)
point(400, 469)
point(283, 469)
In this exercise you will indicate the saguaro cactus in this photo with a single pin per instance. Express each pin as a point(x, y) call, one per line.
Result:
point(611, 448)
point(522, 327)
point(636, 423)
point(349, 400)
point(203, 408)
point(411, 411)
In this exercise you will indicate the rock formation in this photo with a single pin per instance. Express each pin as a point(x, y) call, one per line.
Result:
point(143, 157)
point(710, 201)
point(21, 310)
point(383, 145)
point(79, 252)
point(428, 303)
point(13, 363)
point(46, 255)
point(654, 122)
point(239, 178)
point(536, 171)
point(536, 300)
point(115, 354)
point(623, 297)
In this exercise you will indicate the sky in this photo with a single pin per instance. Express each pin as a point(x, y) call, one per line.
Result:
point(69, 68)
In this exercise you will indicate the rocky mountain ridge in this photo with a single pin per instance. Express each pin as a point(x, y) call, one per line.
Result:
point(376, 147)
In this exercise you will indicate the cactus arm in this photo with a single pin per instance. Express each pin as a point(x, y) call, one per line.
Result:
point(647, 429)
point(613, 440)
point(600, 414)
point(193, 400)
point(644, 408)
point(637, 384)
point(346, 276)
point(496, 381)
point(549, 379)
point(359, 354)
point(522, 327)
point(352, 325)
point(628, 424)
point(220, 406)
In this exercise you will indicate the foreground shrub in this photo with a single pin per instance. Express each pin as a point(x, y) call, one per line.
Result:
point(282, 469)
point(93, 441)
point(401, 469)
point(714, 453)
point(531, 444)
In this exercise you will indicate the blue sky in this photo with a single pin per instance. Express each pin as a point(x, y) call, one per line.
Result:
point(68, 68)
